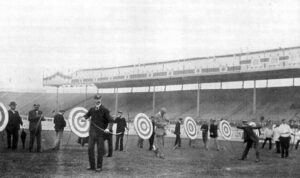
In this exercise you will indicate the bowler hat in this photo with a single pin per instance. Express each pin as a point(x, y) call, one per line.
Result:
point(97, 97)
point(12, 103)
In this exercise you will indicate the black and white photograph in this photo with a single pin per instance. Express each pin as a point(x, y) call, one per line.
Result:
point(149, 88)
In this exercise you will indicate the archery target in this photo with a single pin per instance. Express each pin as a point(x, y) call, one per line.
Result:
point(78, 124)
point(3, 117)
point(190, 128)
point(225, 129)
point(143, 126)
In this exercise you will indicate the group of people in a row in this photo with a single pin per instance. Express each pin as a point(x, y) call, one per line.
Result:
point(35, 117)
point(272, 134)
point(211, 130)
point(101, 130)
point(281, 134)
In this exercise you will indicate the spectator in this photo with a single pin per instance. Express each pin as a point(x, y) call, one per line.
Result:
point(204, 129)
point(13, 126)
point(59, 125)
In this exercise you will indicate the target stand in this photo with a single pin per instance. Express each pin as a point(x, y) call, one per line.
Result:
point(225, 129)
point(190, 128)
point(78, 124)
point(143, 126)
point(3, 117)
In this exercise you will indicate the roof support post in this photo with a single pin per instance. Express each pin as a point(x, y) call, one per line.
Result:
point(153, 101)
point(57, 102)
point(85, 96)
point(254, 98)
point(116, 101)
point(198, 100)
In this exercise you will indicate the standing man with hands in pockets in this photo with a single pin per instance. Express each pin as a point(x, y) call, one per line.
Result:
point(13, 126)
point(35, 118)
point(121, 126)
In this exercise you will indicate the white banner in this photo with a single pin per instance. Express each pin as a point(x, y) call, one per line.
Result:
point(237, 134)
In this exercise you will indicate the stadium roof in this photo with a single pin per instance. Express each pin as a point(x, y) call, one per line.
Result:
point(192, 59)
point(209, 78)
point(57, 80)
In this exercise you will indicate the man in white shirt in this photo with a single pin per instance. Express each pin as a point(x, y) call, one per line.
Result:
point(276, 138)
point(268, 135)
point(285, 136)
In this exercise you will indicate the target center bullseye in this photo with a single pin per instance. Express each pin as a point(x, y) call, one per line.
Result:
point(144, 126)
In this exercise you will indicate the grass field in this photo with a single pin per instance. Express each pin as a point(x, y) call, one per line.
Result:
point(72, 161)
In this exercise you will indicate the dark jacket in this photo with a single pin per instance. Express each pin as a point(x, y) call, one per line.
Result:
point(153, 125)
point(249, 134)
point(34, 118)
point(213, 130)
point(14, 120)
point(99, 118)
point(121, 124)
point(204, 128)
point(177, 128)
point(59, 122)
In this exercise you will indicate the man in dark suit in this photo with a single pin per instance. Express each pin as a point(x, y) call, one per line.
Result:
point(121, 126)
point(250, 138)
point(151, 139)
point(59, 125)
point(99, 125)
point(204, 129)
point(13, 126)
point(35, 127)
point(177, 133)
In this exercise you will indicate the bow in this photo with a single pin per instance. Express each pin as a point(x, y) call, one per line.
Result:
point(104, 130)
point(125, 146)
point(38, 123)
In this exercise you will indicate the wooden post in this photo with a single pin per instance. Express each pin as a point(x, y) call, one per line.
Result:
point(153, 101)
point(116, 101)
point(254, 98)
point(57, 102)
point(198, 100)
point(85, 103)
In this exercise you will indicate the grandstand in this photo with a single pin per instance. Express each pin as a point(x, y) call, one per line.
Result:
point(234, 105)
point(233, 87)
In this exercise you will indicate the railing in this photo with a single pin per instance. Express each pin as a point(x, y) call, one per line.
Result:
point(250, 64)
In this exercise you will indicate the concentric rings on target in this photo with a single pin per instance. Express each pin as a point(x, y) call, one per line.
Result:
point(3, 117)
point(143, 126)
point(78, 124)
point(190, 128)
point(225, 129)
